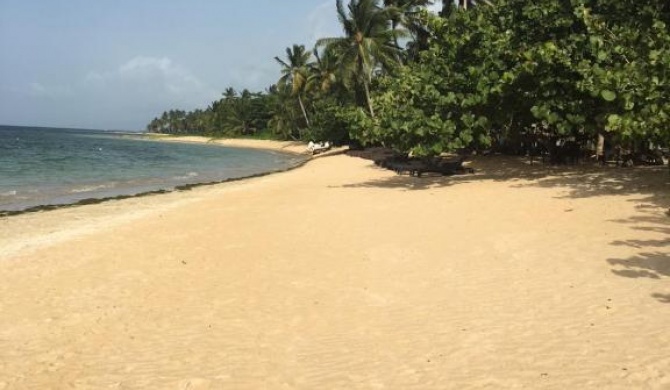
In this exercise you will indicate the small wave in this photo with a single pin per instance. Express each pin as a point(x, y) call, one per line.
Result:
point(9, 193)
point(90, 188)
point(189, 175)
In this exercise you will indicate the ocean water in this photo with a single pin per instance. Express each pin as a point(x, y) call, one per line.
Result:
point(46, 166)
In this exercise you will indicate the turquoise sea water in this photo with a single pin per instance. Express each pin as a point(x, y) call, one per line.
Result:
point(43, 166)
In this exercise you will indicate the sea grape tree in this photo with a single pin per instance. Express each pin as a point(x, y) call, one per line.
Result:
point(570, 68)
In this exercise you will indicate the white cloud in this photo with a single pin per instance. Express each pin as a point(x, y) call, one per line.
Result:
point(159, 74)
point(126, 96)
point(37, 89)
point(255, 77)
point(143, 64)
point(95, 78)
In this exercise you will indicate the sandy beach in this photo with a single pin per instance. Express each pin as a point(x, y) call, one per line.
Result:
point(342, 275)
point(282, 146)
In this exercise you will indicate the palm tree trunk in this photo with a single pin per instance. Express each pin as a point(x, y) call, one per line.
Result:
point(395, 41)
point(394, 26)
point(368, 99)
point(304, 112)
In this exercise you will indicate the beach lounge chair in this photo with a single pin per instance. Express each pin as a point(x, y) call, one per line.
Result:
point(316, 148)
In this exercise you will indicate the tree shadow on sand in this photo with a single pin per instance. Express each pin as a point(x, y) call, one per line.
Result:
point(653, 260)
point(650, 187)
point(665, 298)
point(508, 169)
point(654, 265)
point(579, 181)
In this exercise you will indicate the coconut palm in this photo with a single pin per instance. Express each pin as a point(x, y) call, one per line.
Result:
point(323, 72)
point(240, 118)
point(465, 4)
point(407, 14)
point(368, 43)
point(230, 93)
point(295, 72)
point(450, 6)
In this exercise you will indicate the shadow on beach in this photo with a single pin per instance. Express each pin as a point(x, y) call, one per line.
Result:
point(653, 259)
point(581, 181)
point(650, 185)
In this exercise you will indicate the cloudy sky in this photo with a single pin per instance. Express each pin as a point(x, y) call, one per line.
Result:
point(115, 64)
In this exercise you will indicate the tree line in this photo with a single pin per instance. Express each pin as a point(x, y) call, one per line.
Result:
point(478, 75)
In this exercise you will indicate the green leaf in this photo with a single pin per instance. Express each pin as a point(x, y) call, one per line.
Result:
point(608, 95)
point(613, 119)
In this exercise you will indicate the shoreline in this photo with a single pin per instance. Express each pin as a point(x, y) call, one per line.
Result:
point(287, 147)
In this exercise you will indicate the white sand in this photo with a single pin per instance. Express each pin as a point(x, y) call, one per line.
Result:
point(342, 275)
point(286, 146)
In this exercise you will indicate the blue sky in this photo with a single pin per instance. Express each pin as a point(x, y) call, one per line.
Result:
point(115, 64)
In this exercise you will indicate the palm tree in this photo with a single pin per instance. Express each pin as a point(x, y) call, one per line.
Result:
point(295, 72)
point(368, 43)
point(283, 115)
point(323, 72)
point(465, 4)
point(240, 118)
point(230, 93)
point(407, 14)
point(154, 126)
point(448, 7)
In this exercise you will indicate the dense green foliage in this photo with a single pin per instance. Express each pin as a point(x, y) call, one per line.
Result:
point(478, 75)
point(244, 114)
point(555, 68)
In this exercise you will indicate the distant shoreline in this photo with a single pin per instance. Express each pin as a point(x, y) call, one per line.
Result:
point(119, 131)
point(294, 147)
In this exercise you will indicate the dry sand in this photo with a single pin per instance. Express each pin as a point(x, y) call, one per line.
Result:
point(340, 275)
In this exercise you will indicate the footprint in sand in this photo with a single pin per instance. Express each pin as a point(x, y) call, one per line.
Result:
point(195, 384)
